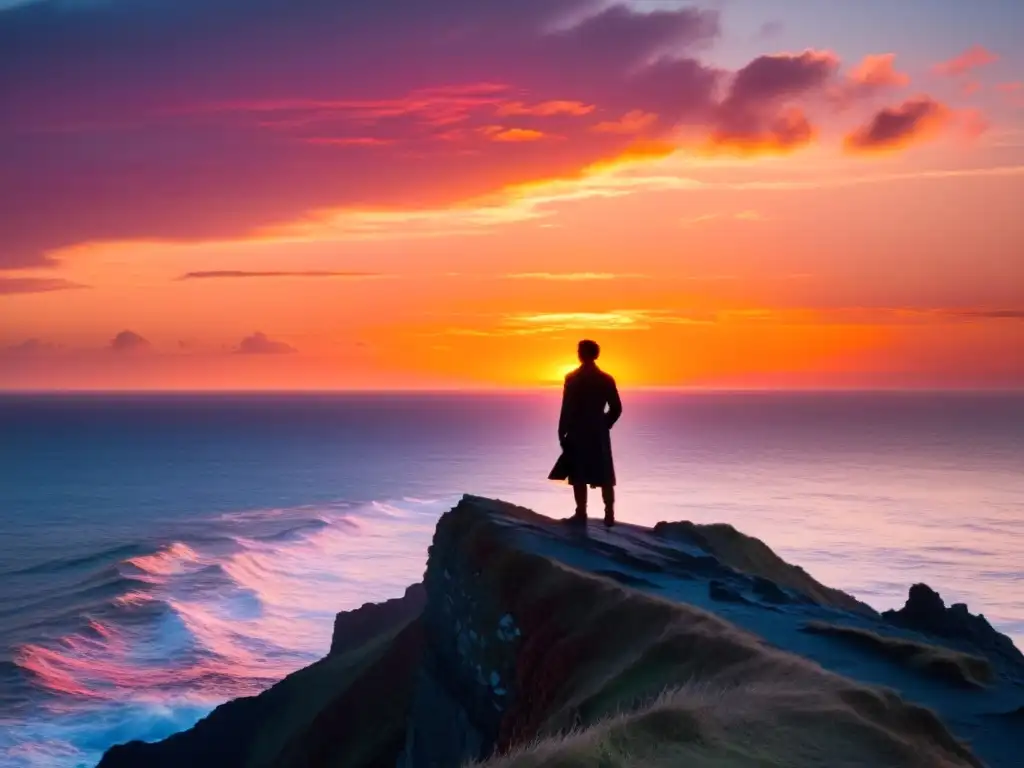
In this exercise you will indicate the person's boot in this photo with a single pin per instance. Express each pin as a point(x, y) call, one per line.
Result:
point(580, 518)
point(609, 516)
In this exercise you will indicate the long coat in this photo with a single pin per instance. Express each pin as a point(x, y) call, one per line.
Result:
point(590, 406)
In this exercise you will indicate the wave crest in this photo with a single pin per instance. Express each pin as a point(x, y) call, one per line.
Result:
point(168, 561)
point(181, 627)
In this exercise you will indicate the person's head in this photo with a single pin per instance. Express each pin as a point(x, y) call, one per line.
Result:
point(588, 351)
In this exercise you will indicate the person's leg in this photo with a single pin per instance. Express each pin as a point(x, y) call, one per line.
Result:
point(579, 492)
point(608, 494)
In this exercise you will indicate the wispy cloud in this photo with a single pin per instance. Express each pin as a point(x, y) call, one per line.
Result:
point(30, 347)
point(884, 178)
point(992, 314)
point(769, 31)
point(574, 276)
point(748, 215)
point(231, 274)
point(971, 59)
point(618, 320)
point(640, 320)
point(563, 321)
point(545, 108)
point(1012, 93)
point(636, 121)
point(21, 285)
point(513, 135)
point(880, 71)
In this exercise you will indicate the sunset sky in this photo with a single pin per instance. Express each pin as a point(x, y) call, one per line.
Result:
point(330, 194)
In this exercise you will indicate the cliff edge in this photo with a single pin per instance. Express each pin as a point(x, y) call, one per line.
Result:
point(531, 643)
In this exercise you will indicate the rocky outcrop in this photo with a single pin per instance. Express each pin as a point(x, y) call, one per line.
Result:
point(754, 558)
point(531, 643)
point(521, 649)
point(354, 628)
point(925, 611)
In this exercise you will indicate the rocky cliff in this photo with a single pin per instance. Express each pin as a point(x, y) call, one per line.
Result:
point(531, 643)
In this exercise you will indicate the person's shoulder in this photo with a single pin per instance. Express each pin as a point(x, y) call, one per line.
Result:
point(608, 378)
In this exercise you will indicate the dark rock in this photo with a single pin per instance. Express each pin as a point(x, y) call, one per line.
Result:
point(1016, 715)
point(753, 557)
point(925, 611)
point(723, 593)
point(770, 592)
point(353, 628)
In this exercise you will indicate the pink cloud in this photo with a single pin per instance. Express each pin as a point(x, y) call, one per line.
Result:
point(545, 108)
point(636, 121)
point(783, 132)
point(198, 120)
point(1012, 93)
point(348, 141)
point(971, 59)
point(758, 115)
point(10, 286)
point(879, 71)
point(912, 122)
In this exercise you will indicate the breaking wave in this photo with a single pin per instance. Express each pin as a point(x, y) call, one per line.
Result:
point(148, 639)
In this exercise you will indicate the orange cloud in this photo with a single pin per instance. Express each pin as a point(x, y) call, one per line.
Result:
point(708, 217)
point(971, 59)
point(22, 285)
point(636, 121)
point(879, 71)
point(545, 108)
point(348, 141)
point(788, 131)
point(234, 274)
point(896, 128)
point(513, 135)
point(574, 276)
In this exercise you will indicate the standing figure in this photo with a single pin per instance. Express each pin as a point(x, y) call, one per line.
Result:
point(590, 406)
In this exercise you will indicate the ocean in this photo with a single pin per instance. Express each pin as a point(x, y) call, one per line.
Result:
point(161, 554)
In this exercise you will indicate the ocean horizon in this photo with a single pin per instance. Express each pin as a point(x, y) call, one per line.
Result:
point(161, 553)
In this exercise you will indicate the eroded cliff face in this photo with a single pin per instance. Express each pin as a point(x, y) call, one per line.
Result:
point(355, 628)
point(466, 681)
point(531, 643)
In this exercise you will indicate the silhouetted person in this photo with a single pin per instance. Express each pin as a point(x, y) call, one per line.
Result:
point(590, 406)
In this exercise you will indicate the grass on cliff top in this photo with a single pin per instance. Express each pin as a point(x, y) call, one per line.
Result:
point(952, 666)
point(751, 726)
point(635, 680)
point(752, 556)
